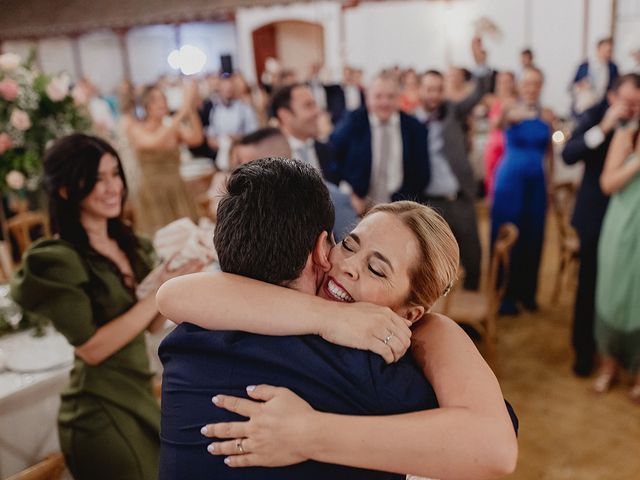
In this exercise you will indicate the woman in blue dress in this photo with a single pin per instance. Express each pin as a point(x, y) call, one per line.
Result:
point(520, 189)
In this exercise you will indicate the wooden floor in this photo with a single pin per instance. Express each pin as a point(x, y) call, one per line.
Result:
point(566, 432)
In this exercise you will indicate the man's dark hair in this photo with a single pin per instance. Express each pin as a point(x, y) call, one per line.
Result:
point(270, 218)
point(436, 73)
point(527, 51)
point(632, 78)
point(259, 136)
point(282, 99)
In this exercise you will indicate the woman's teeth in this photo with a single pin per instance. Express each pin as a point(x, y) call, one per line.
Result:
point(338, 292)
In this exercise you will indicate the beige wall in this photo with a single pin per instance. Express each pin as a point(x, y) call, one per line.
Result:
point(299, 45)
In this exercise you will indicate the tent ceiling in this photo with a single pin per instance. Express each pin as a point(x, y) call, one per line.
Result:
point(23, 19)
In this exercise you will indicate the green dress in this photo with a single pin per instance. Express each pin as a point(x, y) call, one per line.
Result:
point(109, 420)
point(617, 328)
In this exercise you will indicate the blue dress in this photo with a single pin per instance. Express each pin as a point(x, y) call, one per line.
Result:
point(521, 198)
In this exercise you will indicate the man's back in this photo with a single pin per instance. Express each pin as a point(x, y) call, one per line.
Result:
point(199, 364)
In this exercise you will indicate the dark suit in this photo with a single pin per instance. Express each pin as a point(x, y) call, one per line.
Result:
point(199, 364)
point(591, 205)
point(460, 213)
point(352, 143)
point(326, 159)
point(583, 72)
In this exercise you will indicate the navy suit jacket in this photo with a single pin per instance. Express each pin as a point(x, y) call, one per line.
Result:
point(583, 71)
point(327, 160)
point(352, 143)
point(591, 202)
point(199, 364)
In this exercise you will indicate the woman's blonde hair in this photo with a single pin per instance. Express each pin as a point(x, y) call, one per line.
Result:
point(434, 273)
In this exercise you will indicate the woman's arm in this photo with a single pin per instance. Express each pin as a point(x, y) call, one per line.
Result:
point(469, 436)
point(218, 301)
point(117, 333)
point(191, 133)
point(618, 171)
point(162, 137)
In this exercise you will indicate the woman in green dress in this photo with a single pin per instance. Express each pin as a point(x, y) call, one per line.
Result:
point(617, 328)
point(84, 281)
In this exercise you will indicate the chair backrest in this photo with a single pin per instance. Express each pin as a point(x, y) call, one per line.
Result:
point(563, 200)
point(21, 224)
point(51, 468)
point(499, 267)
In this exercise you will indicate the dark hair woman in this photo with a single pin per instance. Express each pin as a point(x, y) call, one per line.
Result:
point(84, 281)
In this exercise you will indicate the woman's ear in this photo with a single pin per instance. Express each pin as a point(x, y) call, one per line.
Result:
point(321, 252)
point(62, 191)
point(414, 313)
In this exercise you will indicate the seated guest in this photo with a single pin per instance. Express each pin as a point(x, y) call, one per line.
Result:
point(230, 118)
point(84, 281)
point(331, 378)
point(381, 152)
point(452, 188)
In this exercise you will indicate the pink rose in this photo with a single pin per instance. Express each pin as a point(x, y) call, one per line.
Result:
point(58, 88)
point(9, 89)
point(20, 119)
point(5, 142)
point(9, 61)
point(15, 180)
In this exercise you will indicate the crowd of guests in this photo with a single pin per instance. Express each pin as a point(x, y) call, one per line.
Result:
point(404, 139)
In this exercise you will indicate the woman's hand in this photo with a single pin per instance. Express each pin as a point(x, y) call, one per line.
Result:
point(192, 266)
point(274, 435)
point(367, 327)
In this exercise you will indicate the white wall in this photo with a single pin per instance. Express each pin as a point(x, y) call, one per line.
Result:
point(101, 59)
point(327, 14)
point(627, 32)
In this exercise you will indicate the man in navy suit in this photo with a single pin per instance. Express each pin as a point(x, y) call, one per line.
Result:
point(381, 153)
point(589, 143)
point(594, 78)
point(274, 221)
point(297, 111)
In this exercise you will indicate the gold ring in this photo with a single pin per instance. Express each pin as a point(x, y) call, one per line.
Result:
point(239, 446)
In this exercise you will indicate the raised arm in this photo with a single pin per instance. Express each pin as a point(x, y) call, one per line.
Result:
point(163, 136)
point(619, 169)
point(218, 301)
point(470, 436)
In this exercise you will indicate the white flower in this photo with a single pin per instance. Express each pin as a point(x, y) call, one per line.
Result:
point(58, 88)
point(20, 120)
point(9, 61)
point(15, 180)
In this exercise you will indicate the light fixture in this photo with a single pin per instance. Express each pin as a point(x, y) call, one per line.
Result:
point(189, 60)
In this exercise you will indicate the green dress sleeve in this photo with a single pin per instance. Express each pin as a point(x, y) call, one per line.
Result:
point(50, 283)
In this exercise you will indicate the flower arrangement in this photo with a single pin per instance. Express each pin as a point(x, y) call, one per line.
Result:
point(35, 108)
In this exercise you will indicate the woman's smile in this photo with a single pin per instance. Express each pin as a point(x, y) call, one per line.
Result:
point(336, 292)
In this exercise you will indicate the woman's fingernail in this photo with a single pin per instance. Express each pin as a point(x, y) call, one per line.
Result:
point(203, 430)
point(227, 460)
point(216, 399)
point(251, 388)
point(211, 448)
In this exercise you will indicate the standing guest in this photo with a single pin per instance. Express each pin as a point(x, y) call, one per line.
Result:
point(297, 112)
point(163, 196)
point(594, 78)
point(526, 61)
point(617, 299)
point(381, 152)
point(452, 189)
point(353, 90)
point(409, 98)
point(520, 189)
point(84, 281)
point(505, 93)
point(230, 118)
point(456, 84)
point(589, 143)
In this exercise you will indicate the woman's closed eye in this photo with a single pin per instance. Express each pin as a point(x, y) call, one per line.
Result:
point(377, 273)
point(346, 246)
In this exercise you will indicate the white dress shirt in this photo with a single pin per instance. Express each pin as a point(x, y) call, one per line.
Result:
point(305, 151)
point(352, 97)
point(395, 171)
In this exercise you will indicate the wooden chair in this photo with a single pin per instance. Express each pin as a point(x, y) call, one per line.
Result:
point(21, 224)
point(480, 309)
point(51, 468)
point(563, 197)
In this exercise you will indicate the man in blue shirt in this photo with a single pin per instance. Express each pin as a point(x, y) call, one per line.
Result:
point(270, 225)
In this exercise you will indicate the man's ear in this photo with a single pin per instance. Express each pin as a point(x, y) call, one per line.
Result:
point(321, 252)
point(62, 191)
point(414, 313)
